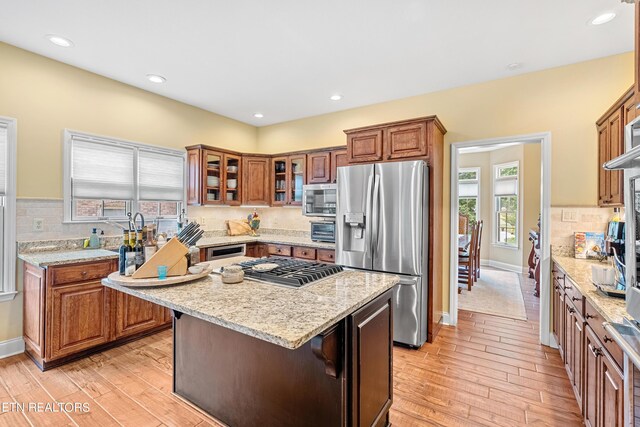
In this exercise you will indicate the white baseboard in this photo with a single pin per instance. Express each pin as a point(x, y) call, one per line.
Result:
point(11, 347)
point(446, 319)
point(504, 266)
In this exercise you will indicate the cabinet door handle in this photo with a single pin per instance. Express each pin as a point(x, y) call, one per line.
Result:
point(567, 287)
point(83, 273)
point(589, 316)
point(575, 299)
point(597, 352)
point(607, 339)
point(571, 310)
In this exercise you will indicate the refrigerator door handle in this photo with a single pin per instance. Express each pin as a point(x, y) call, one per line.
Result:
point(367, 215)
point(375, 220)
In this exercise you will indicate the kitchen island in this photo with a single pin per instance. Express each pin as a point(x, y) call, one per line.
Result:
point(261, 354)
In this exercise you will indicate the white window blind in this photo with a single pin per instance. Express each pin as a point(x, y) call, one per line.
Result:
point(506, 187)
point(468, 189)
point(101, 171)
point(160, 176)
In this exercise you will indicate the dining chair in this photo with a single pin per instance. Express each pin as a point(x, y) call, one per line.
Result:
point(463, 224)
point(467, 260)
point(477, 254)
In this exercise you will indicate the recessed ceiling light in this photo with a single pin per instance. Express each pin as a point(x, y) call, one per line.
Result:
point(59, 40)
point(336, 97)
point(603, 18)
point(155, 78)
point(258, 115)
point(514, 66)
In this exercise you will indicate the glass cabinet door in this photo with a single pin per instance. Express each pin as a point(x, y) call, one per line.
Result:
point(233, 178)
point(279, 182)
point(296, 179)
point(213, 184)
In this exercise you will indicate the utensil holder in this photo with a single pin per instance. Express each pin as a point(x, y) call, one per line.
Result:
point(172, 255)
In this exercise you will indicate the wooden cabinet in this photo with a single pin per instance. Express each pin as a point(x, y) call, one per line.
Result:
point(304, 253)
point(338, 158)
point(364, 146)
point(255, 180)
point(371, 342)
point(405, 141)
point(288, 177)
point(280, 250)
point(194, 177)
point(68, 313)
point(327, 255)
point(214, 176)
point(134, 315)
point(592, 359)
point(610, 145)
point(80, 318)
point(319, 167)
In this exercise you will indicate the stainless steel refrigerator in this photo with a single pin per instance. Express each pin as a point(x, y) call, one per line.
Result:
point(381, 225)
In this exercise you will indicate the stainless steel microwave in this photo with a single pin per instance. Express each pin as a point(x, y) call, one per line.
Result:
point(319, 200)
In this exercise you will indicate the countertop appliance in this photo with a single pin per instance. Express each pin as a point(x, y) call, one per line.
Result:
point(290, 272)
point(630, 163)
point(382, 225)
point(323, 231)
point(319, 200)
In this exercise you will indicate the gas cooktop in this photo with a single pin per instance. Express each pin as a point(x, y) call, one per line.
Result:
point(294, 273)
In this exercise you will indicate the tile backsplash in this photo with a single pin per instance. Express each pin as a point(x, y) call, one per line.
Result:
point(587, 219)
point(273, 219)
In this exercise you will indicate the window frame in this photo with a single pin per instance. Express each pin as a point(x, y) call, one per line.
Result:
point(478, 171)
point(68, 217)
point(496, 222)
point(8, 289)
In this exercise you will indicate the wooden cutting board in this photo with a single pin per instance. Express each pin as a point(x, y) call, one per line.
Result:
point(238, 227)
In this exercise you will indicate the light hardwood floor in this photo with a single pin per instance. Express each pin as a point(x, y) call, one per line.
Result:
point(488, 371)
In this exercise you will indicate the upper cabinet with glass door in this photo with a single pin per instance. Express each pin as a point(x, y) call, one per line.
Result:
point(288, 177)
point(213, 178)
point(232, 179)
point(296, 178)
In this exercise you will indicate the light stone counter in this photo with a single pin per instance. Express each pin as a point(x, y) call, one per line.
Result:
point(280, 315)
point(579, 271)
point(266, 238)
point(46, 259)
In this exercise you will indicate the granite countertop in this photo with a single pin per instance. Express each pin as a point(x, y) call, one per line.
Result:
point(280, 315)
point(46, 259)
point(265, 238)
point(579, 270)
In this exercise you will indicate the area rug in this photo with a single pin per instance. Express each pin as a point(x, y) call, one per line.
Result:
point(496, 292)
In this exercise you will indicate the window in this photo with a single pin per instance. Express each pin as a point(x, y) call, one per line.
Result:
point(505, 192)
point(106, 178)
point(469, 193)
point(7, 208)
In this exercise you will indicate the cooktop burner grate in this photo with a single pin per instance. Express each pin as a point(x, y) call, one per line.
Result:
point(291, 272)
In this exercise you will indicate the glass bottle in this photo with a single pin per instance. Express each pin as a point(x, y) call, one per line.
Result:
point(139, 250)
point(150, 247)
point(130, 258)
point(122, 253)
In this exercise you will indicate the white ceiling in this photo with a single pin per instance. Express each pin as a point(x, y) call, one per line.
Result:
point(284, 58)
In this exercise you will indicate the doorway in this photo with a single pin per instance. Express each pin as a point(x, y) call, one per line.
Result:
point(501, 215)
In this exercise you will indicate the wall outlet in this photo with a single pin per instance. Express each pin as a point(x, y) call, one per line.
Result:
point(38, 224)
point(203, 221)
point(569, 215)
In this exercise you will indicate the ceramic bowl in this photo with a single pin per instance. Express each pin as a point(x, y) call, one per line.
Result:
point(196, 269)
point(232, 183)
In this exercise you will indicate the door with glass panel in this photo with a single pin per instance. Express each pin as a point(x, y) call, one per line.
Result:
point(232, 179)
point(296, 179)
point(213, 184)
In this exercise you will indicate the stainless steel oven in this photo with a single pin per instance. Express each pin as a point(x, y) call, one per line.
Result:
point(323, 231)
point(319, 200)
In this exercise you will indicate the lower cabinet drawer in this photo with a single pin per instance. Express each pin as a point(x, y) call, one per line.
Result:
point(73, 273)
point(282, 250)
point(304, 253)
point(326, 255)
point(595, 321)
point(574, 295)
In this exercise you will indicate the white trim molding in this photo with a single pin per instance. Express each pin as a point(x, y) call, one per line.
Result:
point(9, 245)
point(11, 347)
point(504, 266)
point(543, 138)
point(446, 319)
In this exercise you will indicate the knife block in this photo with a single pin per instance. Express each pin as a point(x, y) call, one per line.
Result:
point(172, 255)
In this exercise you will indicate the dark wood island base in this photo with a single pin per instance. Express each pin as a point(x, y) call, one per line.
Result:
point(341, 377)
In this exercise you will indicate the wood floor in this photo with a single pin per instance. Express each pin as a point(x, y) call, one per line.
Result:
point(488, 371)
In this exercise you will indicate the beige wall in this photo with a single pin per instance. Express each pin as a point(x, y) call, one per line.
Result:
point(565, 101)
point(528, 156)
point(47, 96)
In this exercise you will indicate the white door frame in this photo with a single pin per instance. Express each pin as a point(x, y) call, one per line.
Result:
point(544, 139)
